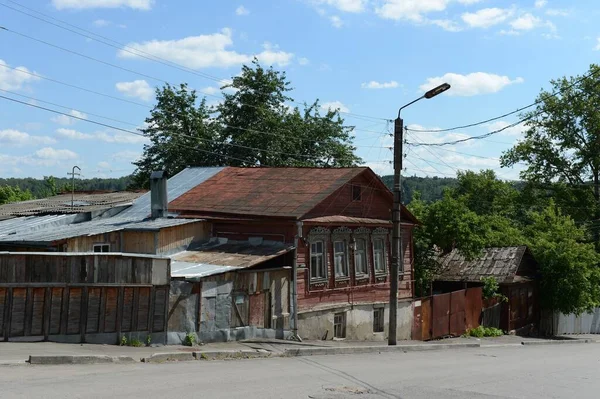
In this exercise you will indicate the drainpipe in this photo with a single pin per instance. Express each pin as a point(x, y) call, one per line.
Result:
point(294, 284)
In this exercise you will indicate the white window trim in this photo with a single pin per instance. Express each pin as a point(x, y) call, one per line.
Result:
point(342, 234)
point(346, 264)
point(319, 234)
point(383, 234)
point(101, 245)
point(323, 260)
point(363, 233)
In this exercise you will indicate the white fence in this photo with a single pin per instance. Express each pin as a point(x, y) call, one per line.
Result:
point(561, 324)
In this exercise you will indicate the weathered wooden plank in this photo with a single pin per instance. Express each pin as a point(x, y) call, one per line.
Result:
point(160, 306)
point(74, 313)
point(64, 314)
point(56, 305)
point(93, 310)
point(110, 310)
point(134, 309)
point(36, 326)
point(143, 309)
point(47, 312)
point(7, 313)
point(127, 307)
point(17, 317)
point(2, 310)
point(102, 311)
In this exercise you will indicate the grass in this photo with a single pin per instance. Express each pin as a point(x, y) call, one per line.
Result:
point(482, 331)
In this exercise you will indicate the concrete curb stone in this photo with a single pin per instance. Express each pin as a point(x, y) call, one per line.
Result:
point(374, 349)
point(557, 342)
point(232, 354)
point(168, 357)
point(78, 359)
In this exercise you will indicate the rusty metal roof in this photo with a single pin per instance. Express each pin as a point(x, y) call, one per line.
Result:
point(221, 255)
point(276, 192)
point(505, 264)
point(340, 219)
point(61, 204)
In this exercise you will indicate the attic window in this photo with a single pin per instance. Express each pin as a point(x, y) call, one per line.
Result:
point(356, 192)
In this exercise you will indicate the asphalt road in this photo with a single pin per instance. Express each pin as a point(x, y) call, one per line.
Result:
point(558, 371)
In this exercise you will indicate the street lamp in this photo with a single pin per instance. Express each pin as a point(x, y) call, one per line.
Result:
point(397, 256)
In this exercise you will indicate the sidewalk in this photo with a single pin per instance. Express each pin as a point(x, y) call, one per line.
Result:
point(13, 353)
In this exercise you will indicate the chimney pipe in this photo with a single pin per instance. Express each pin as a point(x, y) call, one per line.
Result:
point(158, 194)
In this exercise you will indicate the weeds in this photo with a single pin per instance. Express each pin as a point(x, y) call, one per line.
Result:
point(482, 331)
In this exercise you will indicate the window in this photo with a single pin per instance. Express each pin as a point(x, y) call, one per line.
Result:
point(378, 320)
point(339, 325)
point(317, 260)
point(340, 259)
point(356, 193)
point(101, 247)
point(379, 255)
point(360, 257)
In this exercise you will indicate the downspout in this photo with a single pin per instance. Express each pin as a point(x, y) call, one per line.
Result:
point(294, 290)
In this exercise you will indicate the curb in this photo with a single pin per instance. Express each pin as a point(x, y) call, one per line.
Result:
point(557, 342)
point(373, 349)
point(232, 354)
point(169, 357)
point(56, 360)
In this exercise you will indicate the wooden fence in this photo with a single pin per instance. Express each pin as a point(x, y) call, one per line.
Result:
point(82, 297)
point(448, 314)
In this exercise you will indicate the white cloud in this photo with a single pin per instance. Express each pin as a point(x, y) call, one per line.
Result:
point(379, 85)
point(50, 153)
point(472, 84)
point(335, 105)
point(101, 23)
point(486, 17)
point(121, 138)
point(554, 12)
point(446, 24)
point(353, 6)
point(526, 22)
point(18, 138)
point(87, 4)
point(336, 21)
point(511, 131)
point(210, 90)
point(541, 3)
point(412, 10)
point(138, 88)
point(13, 79)
point(104, 165)
point(303, 61)
point(469, 2)
point(126, 156)
point(68, 120)
point(241, 10)
point(205, 51)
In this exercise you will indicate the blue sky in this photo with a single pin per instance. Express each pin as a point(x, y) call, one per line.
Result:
point(365, 57)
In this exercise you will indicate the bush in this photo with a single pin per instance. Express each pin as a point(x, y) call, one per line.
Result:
point(190, 339)
point(482, 331)
point(136, 343)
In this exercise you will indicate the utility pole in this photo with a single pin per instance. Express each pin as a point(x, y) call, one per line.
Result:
point(397, 254)
point(73, 174)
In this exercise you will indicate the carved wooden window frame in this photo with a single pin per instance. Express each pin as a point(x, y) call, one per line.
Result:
point(315, 235)
point(381, 234)
point(343, 234)
point(362, 233)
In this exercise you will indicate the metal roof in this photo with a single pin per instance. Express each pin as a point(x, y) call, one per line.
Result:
point(61, 204)
point(177, 185)
point(10, 227)
point(506, 264)
point(222, 256)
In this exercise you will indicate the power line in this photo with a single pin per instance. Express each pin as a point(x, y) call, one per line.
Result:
point(137, 52)
point(507, 114)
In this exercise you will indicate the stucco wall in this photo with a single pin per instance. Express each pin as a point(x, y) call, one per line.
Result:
point(359, 322)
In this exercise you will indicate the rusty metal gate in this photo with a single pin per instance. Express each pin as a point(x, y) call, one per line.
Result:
point(448, 314)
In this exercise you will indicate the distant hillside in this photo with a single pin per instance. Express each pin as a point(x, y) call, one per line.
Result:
point(431, 188)
point(39, 189)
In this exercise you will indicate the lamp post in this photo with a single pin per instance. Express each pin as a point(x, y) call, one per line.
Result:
point(397, 255)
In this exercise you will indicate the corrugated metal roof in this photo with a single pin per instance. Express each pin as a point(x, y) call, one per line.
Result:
point(177, 185)
point(221, 256)
point(25, 224)
point(61, 204)
point(502, 263)
point(284, 192)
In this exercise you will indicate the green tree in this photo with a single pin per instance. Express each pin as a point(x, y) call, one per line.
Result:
point(181, 134)
point(569, 266)
point(13, 194)
point(258, 127)
point(562, 141)
point(50, 183)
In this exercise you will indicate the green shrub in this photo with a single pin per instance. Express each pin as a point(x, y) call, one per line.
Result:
point(136, 342)
point(123, 341)
point(482, 331)
point(190, 339)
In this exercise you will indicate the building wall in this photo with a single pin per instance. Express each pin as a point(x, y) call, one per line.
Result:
point(140, 242)
point(174, 239)
point(318, 325)
point(86, 243)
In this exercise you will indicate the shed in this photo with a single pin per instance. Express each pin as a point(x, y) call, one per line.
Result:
point(515, 270)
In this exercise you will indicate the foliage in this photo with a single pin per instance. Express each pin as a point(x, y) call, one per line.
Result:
point(491, 289)
point(190, 339)
point(50, 183)
point(37, 188)
point(123, 341)
point(430, 188)
point(562, 143)
point(136, 343)
point(148, 340)
point(13, 194)
point(482, 331)
point(253, 126)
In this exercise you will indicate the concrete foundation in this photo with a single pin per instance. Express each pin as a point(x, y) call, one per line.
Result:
point(227, 335)
point(318, 324)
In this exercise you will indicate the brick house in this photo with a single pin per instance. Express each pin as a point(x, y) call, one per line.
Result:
point(340, 220)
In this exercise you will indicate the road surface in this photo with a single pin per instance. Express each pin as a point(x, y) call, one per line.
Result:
point(557, 371)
